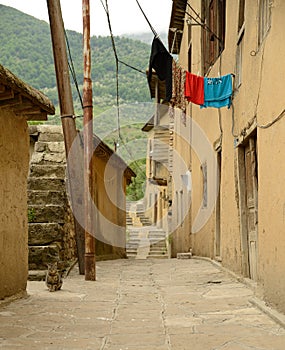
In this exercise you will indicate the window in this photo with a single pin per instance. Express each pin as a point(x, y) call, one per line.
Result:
point(181, 208)
point(241, 26)
point(241, 14)
point(238, 78)
point(213, 36)
point(190, 58)
point(205, 185)
point(189, 45)
point(264, 19)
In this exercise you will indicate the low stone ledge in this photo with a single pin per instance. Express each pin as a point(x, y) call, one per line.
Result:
point(184, 255)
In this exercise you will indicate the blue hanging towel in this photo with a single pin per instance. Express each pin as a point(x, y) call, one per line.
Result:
point(218, 92)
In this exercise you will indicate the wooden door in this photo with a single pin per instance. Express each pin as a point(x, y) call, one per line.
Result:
point(251, 204)
point(218, 207)
point(155, 209)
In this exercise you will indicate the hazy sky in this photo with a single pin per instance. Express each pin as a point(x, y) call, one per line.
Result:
point(125, 14)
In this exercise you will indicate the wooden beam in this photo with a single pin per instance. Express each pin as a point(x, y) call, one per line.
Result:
point(28, 111)
point(7, 95)
point(9, 103)
point(39, 116)
point(25, 106)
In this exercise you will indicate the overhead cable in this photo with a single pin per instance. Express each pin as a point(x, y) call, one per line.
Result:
point(72, 69)
point(151, 27)
point(106, 8)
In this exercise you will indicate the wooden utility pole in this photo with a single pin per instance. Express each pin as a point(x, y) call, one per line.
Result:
point(74, 166)
point(90, 262)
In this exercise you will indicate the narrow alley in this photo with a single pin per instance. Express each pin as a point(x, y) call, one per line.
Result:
point(150, 304)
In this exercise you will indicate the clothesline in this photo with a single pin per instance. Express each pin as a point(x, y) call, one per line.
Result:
point(182, 86)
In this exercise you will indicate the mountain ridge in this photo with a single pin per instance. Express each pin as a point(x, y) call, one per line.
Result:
point(26, 50)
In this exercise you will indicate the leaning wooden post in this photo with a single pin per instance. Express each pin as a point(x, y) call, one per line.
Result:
point(74, 167)
point(90, 262)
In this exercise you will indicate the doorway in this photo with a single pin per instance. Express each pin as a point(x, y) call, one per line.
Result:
point(248, 168)
point(218, 208)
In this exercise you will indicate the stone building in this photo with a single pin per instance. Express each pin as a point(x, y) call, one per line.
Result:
point(18, 103)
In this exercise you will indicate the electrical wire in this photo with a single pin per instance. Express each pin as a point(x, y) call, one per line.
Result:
point(72, 69)
point(266, 126)
point(151, 27)
point(128, 65)
point(201, 23)
point(106, 8)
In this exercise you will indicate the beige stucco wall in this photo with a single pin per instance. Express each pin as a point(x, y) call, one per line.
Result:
point(109, 186)
point(257, 101)
point(14, 163)
point(271, 207)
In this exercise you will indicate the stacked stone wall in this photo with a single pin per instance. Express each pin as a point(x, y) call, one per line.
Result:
point(51, 226)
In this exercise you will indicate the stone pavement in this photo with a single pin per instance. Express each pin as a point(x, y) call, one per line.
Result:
point(141, 305)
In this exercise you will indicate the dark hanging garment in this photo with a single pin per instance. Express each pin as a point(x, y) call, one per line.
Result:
point(161, 61)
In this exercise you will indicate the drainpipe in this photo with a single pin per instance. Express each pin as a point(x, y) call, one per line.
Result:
point(90, 262)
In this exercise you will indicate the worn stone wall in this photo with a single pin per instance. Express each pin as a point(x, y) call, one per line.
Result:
point(14, 165)
point(51, 226)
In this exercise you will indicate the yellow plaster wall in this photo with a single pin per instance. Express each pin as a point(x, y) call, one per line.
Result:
point(14, 165)
point(258, 100)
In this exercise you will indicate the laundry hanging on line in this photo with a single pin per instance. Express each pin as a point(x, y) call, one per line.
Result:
point(178, 91)
point(218, 92)
point(161, 61)
point(181, 85)
point(194, 88)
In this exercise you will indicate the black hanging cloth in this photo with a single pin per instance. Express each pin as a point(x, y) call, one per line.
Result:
point(161, 62)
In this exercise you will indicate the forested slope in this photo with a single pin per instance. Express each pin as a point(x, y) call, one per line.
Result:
point(26, 50)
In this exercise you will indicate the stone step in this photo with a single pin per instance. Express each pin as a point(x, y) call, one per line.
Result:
point(157, 239)
point(132, 246)
point(42, 158)
point(133, 239)
point(159, 244)
point(132, 256)
point(37, 275)
point(44, 233)
point(157, 256)
point(51, 136)
point(49, 146)
point(158, 249)
point(46, 184)
point(157, 252)
point(131, 251)
point(51, 171)
point(157, 235)
point(155, 231)
point(40, 256)
point(48, 213)
point(46, 197)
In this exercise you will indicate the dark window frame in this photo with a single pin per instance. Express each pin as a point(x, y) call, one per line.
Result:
point(213, 32)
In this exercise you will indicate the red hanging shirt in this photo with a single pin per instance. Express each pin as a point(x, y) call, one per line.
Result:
point(194, 88)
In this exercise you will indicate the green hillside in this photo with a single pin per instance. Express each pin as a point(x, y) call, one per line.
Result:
point(26, 50)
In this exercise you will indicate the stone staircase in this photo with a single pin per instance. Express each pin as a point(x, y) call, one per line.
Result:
point(51, 229)
point(158, 248)
point(144, 240)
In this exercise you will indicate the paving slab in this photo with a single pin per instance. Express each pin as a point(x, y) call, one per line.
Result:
point(151, 304)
